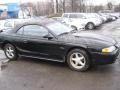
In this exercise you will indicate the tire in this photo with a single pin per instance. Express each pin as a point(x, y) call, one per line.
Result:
point(74, 27)
point(90, 26)
point(75, 64)
point(10, 52)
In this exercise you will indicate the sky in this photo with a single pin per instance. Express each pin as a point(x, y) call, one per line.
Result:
point(95, 2)
point(103, 2)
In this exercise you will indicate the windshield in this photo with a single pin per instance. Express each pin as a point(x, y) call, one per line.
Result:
point(58, 28)
point(77, 15)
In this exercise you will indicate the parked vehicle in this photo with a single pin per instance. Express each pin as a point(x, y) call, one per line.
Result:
point(51, 40)
point(38, 17)
point(80, 20)
point(110, 12)
point(117, 15)
point(10, 23)
point(104, 18)
point(108, 16)
point(5, 24)
point(57, 18)
point(94, 15)
point(113, 18)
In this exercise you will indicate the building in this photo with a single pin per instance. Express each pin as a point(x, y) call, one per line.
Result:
point(11, 10)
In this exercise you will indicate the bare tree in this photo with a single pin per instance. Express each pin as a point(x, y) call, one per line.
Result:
point(81, 6)
point(117, 8)
point(52, 6)
point(98, 8)
point(62, 5)
point(109, 5)
point(39, 8)
point(56, 6)
point(27, 7)
point(72, 5)
point(75, 5)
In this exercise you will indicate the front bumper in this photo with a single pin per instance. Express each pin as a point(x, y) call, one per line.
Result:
point(105, 58)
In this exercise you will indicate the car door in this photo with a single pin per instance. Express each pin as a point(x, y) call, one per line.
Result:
point(36, 44)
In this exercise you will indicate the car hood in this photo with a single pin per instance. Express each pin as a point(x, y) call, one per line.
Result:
point(90, 40)
point(94, 36)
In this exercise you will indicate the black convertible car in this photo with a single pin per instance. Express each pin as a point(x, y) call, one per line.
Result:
point(51, 40)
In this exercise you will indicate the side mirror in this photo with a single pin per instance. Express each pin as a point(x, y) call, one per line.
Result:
point(48, 36)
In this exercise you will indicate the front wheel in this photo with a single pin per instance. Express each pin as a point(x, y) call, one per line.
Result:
point(78, 60)
point(10, 52)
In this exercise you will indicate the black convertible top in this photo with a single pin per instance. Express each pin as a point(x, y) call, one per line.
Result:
point(38, 21)
point(43, 22)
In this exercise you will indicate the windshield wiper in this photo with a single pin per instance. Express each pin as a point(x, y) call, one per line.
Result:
point(63, 33)
point(73, 31)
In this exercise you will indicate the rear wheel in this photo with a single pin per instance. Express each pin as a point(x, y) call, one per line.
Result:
point(74, 27)
point(78, 60)
point(90, 26)
point(10, 52)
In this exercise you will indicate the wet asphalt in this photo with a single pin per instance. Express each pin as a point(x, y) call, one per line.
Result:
point(34, 74)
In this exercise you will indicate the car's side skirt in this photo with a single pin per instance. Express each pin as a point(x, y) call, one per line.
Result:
point(43, 58)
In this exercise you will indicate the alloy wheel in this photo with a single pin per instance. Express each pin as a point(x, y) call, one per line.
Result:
point(10, 52)
point(90, 26)
point(77, 60)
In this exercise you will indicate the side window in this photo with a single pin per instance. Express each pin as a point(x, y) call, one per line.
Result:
point(35, 30)
point(20, 31)
point(73, 16)
point(80, 16)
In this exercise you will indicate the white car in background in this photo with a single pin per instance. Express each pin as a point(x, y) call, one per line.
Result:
point(109, 16)
point(116, 14)
point(57, 19)
point(96, 15)
point(81, 21)
point(10, 23)
point(6, 24)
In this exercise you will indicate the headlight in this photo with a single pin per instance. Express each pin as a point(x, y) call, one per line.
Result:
point(109, 49)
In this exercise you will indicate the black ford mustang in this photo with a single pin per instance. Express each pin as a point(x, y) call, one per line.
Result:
point(51, 40)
